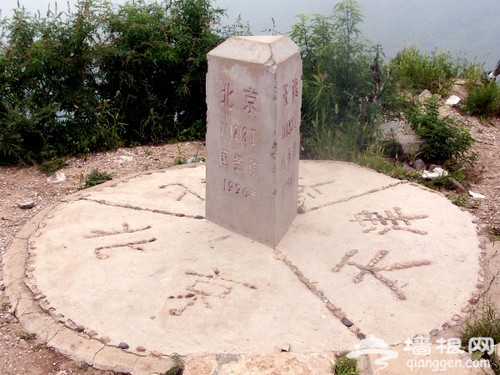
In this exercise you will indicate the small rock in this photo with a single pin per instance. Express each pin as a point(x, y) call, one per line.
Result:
point(92, 333)
point(105, 339)
point(408, 168)
point(434, 332)
point(473, 301)
point(456, 318)
point(123, 345)
point(354, 328)
point(155, 353)
point(361, 335)
point(124, 159)
point(285, 347)
point(452, 100)
point(279, 256)
point(457, 185)
point(2, 287)
point(26, 205)
point(140, 349)
point(346, 322)
point(339, 314)
point(23, 344)
point(6, 318)
point(419, 165)
point(424, 95)
point(80, 328)
point(330, 306)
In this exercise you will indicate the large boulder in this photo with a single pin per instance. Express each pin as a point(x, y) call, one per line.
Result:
point(403, 134)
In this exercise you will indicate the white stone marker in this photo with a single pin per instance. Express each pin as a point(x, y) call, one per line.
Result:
point(254, 92)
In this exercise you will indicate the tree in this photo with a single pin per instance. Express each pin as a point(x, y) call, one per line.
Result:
point(341, 85)
point(153, 65)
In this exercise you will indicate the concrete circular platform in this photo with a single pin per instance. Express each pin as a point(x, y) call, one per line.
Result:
point(134, 262)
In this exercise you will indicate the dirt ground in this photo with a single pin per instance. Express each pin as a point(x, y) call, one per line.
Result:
point(22, 354)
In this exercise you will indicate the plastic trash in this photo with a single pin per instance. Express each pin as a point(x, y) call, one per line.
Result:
point(56, 178)
point(435, 173)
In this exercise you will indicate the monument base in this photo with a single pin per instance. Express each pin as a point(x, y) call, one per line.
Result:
point(111, 265)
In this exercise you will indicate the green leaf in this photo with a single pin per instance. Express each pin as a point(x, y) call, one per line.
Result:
point(476, 355)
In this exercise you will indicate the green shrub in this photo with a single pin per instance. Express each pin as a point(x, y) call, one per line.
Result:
point(483, 99)
point(345, 84)
point(417, 71)
point(101, 77)
point(154, 65)
point(445, 138)
point(96, 177)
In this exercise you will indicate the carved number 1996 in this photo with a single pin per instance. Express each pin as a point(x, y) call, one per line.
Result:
point(235, 188)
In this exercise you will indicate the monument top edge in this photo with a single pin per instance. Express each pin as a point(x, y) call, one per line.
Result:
point(256, 49)
point(261, 38)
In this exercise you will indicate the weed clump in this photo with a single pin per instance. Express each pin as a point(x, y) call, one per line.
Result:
point(482, 322)
point(345, 366)
point(95, 178)
point(483, 99)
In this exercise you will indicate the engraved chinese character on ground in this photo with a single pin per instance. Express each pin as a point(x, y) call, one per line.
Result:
point(389, 220)
point(372, 269)
point(134, 245)
point(203, 288)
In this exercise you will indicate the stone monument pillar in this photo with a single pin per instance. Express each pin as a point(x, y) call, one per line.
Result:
point(254, 92)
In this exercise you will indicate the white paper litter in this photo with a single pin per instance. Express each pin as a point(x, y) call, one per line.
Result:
point(476, 195)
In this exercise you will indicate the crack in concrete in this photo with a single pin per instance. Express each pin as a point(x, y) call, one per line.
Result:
point(137, 208)
point(343, 200)
point(59, 330)
point(96, 353)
